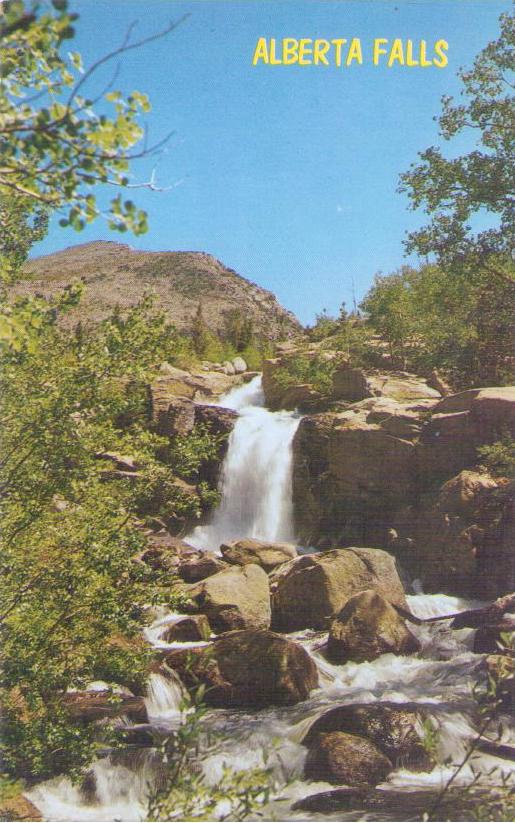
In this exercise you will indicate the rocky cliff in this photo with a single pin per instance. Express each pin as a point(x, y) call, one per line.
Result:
point(397, 468)
point(115, 275)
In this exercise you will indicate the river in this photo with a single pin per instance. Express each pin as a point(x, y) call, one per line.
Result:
point(256, 501)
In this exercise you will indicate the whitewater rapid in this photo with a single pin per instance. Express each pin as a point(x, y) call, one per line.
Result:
point(256, 502)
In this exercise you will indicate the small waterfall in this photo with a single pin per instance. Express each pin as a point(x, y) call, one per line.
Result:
point(256, 475)
point(165, 698)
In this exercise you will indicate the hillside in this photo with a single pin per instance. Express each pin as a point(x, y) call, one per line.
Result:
point(115, 274)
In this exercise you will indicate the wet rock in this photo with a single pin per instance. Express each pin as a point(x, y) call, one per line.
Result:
point(396, 730)
point(248, 668)
point(396, 804)
point(236, 597)
point(367, 627)
point(338, 757)
point(199, 565)
point(308, 591)
point(86, 707)
point(188, 629)
point(264, 554)
point(142, 735)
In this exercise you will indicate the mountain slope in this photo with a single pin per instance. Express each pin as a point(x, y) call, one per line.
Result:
point(115, 274)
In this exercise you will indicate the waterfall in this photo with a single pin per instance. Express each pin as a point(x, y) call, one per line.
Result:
point(256, 492)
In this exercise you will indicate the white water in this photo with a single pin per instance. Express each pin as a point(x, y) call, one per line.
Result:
point(256, 475)
point(256, 502)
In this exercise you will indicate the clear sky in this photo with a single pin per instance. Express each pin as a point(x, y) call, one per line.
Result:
point(287, 174)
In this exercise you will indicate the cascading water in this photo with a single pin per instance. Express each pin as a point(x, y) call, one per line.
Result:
point(256, 475)
point(256, 502)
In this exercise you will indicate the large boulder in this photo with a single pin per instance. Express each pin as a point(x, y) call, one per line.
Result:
point(398, 731)
point(235, 598)
point(248, 668)
point(239, 365)
point(354, 384)
point(265, 554)
point(338, 757)
point(188, 629)
point(367, 627)
point(308, 591)
point(197, 565)
point(462, 494)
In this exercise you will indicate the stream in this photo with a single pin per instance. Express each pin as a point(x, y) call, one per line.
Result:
point(257, 502)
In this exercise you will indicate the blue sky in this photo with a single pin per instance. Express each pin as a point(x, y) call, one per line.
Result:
point(287, 174)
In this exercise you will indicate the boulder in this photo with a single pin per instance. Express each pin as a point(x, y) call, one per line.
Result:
point(267, 555)
point(164, 552)
point(396, 730)
point(308, 591)
point(188, 629)
point(301, 396)
point(492, 413)
point(198, 565)
point(85, 707)
point(235, 598)
point(19, 807)
point(367, 627)
point(218, 419)
point(228, 368)
point(338, 757)
point(354, 384)
point(173, 382)
point(239, 365)
point(175, 417)
point(253, 668)
point(461, 494)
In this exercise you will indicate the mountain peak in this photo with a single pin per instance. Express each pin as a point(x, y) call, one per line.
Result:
point(115, 274)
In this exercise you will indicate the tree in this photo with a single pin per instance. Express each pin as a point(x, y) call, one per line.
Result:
point(460, 325)
point(56, 141)
point(452, 191)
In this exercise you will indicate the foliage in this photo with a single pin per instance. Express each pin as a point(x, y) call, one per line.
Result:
point(312, 368)
point(452, 191)
point(325, 325)
point(56, 138)
point(499, 457)
point(71, 525)
point(238, 330)
point(187, 795)
point(460, 325)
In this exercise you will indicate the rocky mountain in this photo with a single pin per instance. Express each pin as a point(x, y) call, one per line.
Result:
point(116, 274)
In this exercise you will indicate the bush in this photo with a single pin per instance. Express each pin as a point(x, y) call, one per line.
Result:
point(499, 457)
